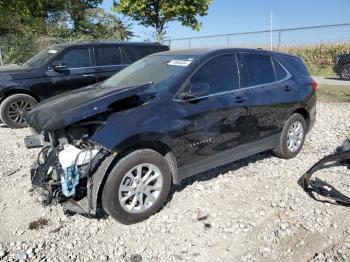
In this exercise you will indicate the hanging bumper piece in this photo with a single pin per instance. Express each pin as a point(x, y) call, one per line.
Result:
point(313, 185)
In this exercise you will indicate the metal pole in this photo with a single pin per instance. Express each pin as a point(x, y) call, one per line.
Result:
point(228, 41)
point(1, 63)
point(271, 31)
point(279, 39)
point(189, 43)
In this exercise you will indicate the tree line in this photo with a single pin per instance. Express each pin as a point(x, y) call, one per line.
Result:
point(78, 19)
point(84, 19)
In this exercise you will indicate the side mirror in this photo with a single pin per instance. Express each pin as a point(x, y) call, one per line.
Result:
point(58, 66)
point(197, 90)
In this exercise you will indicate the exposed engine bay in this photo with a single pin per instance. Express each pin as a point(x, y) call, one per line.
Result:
point(70, 168)
point(65, 165)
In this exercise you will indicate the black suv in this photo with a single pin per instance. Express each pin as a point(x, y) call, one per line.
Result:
point(342, 66)
point(120, 144)
point(61, 68)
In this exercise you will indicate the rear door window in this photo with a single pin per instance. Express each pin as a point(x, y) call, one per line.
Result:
point(76, 58)
point(255, 69)
point(220, 73)
point(106, 56)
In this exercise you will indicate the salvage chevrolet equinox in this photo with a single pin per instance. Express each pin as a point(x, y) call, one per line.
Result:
point(61, 68)
point(120, 145)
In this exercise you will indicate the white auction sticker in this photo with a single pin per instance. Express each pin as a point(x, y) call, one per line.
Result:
point(180, 62)
point(52, 51)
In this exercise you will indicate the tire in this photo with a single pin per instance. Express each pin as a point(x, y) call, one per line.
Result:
point(345, 72)
point(285, 148)
point(14, 108)
point(113, 194)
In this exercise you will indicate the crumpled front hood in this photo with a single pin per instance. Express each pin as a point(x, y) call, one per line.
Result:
point(68, 108)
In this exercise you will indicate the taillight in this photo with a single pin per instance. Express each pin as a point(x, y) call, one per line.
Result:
point(313, 85)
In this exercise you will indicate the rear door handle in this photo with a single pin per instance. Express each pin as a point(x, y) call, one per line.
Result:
point(240, 99)
point(287, 88)
point(88, 75)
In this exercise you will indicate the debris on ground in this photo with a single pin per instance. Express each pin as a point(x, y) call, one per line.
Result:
point(201, 214)
point(38, 224)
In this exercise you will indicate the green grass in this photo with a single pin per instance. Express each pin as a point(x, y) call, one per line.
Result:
point(317, 71)
point(334, 93)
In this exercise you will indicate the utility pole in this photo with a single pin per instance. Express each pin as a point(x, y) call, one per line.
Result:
point(271, 36)
point(1, 62)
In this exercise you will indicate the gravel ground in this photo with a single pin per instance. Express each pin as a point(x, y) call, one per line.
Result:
point(256, 211)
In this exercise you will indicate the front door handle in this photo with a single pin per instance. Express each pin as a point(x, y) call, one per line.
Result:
point(88, 75)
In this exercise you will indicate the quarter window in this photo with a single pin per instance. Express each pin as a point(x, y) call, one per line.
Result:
point(279, 71)
point(76, 58)
point(256, 69)
point(106, 56)
point(219, 73)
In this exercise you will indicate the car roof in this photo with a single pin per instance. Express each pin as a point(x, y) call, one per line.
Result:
point(105, 42)
point(212, 51)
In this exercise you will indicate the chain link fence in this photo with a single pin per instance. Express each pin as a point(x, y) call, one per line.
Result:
point(325, 49)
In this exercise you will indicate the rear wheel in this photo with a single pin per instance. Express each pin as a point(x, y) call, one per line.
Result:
point(345, 72)
point(14, 108)
point(292, 137)
point(137, 186)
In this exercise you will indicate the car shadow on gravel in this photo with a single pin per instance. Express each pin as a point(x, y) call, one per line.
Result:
point(215, 172)
point(204, 176)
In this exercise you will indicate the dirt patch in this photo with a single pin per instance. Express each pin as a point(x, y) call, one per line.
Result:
point(38, 224)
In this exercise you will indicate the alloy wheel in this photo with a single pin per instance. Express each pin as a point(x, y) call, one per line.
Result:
point(140, 188)
point(18, 110)
point(295, 136)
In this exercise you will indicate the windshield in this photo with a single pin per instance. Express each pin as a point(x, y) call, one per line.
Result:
point(160, 71)
point(41, 58)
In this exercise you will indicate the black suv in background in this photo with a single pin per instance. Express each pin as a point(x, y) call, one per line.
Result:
point(62, 68)
point(342, 66)
point(120, 144)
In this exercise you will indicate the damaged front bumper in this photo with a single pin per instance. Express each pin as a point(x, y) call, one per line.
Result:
point(313, 184)
point(66, 173)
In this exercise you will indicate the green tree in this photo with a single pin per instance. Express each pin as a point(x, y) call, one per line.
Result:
point(27, 16)
point(20, 16)
point(99, 24)
point(157, 13)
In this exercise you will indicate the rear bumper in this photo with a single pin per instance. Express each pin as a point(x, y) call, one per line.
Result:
point(312, 121)
point(311, 108)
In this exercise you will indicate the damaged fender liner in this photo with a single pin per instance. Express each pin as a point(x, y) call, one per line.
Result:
point(316, 185)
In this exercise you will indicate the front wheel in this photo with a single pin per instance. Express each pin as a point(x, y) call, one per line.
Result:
point(292, 137)
point(14, 108)
point(137, 186)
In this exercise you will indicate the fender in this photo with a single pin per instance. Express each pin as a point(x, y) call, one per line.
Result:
point(96, 180)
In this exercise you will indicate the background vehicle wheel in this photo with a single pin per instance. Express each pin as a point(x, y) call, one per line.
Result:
point(292, 137)
point(137, 186)
point(14, 108)
point(345, 72)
